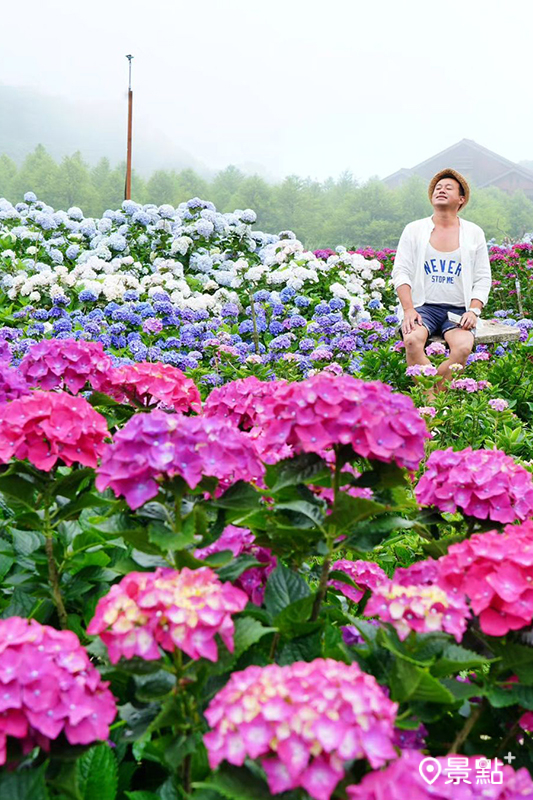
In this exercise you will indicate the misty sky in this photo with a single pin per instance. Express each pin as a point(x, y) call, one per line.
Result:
point(295, 86)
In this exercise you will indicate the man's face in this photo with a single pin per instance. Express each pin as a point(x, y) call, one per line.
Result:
point(446, 195)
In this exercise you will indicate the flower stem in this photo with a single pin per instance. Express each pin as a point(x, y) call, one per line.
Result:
point(322, 586)
point(463, 734)
point(254, 322)
point(53, 577)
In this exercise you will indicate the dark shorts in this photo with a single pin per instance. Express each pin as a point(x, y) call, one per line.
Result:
point(435, 317)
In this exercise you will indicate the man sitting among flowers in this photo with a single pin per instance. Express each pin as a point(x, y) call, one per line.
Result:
point(441, 266)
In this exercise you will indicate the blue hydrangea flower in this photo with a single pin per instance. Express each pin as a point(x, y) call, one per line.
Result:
point(73, 251)
point(374, 304)
point(287, 294)
point(297, 321)
point(87, 296)
point(336, 303)
point(321, 309)
point(30, 197)
point(262, 296)
point(117, 242)
point(282, 342)
point(301, 301)
point(230, 310)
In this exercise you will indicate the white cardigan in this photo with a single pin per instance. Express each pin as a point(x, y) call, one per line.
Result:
point(411, 254)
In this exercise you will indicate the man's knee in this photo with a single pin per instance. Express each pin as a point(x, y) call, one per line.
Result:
point(459, 351)
point(414, 342)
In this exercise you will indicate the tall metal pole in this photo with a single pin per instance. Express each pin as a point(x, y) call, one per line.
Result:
point(127, 188)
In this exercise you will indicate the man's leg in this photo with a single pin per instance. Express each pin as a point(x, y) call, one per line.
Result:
point(414, 346)
point(460, 343)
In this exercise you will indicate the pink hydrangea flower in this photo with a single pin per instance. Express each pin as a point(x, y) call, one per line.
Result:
point(12, 383)
point(303, 721)
point(150, 385)
point(469, 385)
point(423, 609)
point(241, 541)
point(65, 363)
point(436, 349)
point(315, 414)
point(159, 445)
point(417, 370)
point(170, 609)
point(47, 427)
point(402, 779)
point(366, 574)
point(427, 411)
point(421, 573)
point(48, 686)
point(498, 404)
point(240, 401)
point(526, 721)
point(486, 484)
point(495, 571)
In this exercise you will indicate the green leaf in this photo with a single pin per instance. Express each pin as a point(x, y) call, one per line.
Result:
point(18, 486)
point(239, 496)
point(283, 588)
point(28, 784)
point(166, 539)
point(235, 783)
point(462, 691)
point(219, 559)
point(248, 631)
point(409, 682)
point(292, 471)
point(26, 542)
point(142, 795)
point(515, 657)
point(97, 774)
point(348, 511)
point(69, 485)
point(232, 571)
point(294, 617)
point(455, 659)
point(153, 686)
point(303, 648)
point(311, 511)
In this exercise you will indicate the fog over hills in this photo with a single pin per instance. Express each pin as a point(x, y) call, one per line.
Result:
point(30, 118)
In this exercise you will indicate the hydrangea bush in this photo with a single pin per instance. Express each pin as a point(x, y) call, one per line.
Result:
point(243, 554)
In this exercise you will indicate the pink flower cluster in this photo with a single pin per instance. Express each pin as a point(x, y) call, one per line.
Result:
point(315, 414)
point(469, 385)
point(436, 349)
point(48, 687)
point(427, 411)
point(498, 404)
point(423, 609)
point(167, 608)
point(241, 541)
point(495, 571)
point(366, 574)
point(158, 445)
point(46, 427)
point(428, 370)
point(402, 779)
point(12, 383)
point(65, 363)
point(304, 721)
point(240, 401)
point(149, 385)
point(486, 484)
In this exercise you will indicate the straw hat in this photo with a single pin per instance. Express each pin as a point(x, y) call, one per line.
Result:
point(458, 177)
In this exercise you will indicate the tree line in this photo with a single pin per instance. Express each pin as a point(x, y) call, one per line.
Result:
point(322, 214)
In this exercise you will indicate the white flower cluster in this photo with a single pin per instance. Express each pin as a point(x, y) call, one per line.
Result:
point(198, 256)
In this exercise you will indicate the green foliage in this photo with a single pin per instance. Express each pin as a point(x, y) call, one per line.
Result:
point(322, 214)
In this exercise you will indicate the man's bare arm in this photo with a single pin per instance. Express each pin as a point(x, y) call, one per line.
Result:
point(411, 316)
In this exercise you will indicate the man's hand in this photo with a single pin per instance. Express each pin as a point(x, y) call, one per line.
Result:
point(468, 321)
point(411, 319)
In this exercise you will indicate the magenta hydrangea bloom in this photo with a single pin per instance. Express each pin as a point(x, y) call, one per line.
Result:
point(48, 686)
point(65, 363)
point(423, 609)
point(150, 385)
point(495, 571)
point(303, 721)
point(47, 427)
point(241, 541)
point(12, 383)
point(325, 410)
point(421, 573)
point(172, 609)
point(240, 401)
point(487, 484)
point(159, 445)
point(402, 779)
point(366, 574)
